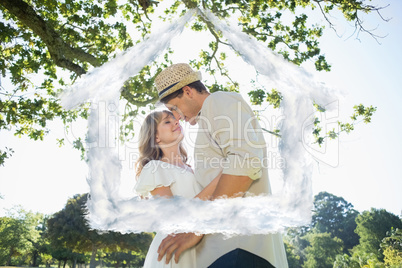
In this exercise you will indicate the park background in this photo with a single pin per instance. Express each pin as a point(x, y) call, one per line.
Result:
point(41, 177)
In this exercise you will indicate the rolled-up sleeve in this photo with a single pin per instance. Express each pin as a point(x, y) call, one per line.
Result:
point(235, 131)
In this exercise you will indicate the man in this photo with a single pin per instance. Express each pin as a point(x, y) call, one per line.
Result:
point(228, 134)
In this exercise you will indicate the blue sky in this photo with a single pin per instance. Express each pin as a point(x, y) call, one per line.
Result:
point(41, 176)
point(369, 172)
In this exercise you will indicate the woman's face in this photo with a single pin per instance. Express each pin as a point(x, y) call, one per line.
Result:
point(169, 131)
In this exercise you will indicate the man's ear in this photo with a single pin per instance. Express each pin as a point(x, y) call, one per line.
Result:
point(188, 91)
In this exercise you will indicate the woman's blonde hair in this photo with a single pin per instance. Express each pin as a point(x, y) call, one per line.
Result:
point(147, 145)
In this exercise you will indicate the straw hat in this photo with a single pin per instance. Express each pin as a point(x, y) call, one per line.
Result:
point(174, 78)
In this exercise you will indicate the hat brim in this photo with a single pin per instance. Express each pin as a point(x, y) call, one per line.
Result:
point(190, 78)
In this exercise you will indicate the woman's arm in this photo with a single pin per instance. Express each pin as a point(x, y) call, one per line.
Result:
point(207, 192)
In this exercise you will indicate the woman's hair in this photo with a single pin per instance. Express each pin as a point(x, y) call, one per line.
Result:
point(147, 145)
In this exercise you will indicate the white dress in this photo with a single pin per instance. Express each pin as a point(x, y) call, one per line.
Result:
point(182, 182)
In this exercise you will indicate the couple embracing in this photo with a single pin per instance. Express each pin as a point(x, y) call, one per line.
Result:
point(227, 130)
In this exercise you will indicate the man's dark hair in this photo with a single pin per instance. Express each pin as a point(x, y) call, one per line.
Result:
point(197, 85)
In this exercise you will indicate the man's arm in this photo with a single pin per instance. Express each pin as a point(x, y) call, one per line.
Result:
point(208, 192)
point(230, 186)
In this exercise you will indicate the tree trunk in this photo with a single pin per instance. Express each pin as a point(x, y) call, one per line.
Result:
point(35, 256)
point(64, 264)
point(92, 264)
point(9, 256)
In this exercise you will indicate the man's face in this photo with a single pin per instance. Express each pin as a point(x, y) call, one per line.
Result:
point(185, 107)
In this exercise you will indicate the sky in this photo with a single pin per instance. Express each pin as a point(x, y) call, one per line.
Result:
point(362, 167)
point(369, 173)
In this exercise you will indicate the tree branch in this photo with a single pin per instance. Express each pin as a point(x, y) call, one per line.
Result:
point(331, 25)
point(360, 28)
point(61, 53)
point(126, 94)
point(358, 21)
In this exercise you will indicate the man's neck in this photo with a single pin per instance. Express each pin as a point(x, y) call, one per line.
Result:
point(203, 97)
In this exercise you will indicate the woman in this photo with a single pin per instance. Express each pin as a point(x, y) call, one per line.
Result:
point(162, 171)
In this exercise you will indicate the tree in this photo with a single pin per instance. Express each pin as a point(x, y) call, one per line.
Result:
point(71, 236)
point(372, 228)
point(63, 255)
point(68, 229)
point(11, 233)
point(392, 248)
point(332, 214)
point(392, 257)
point(345, 261)
point(296, 242)
point(18, 235)
point(125, 258)
point(322, 251)
point(292, 255)
point(55, 38)
point(40, 252)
